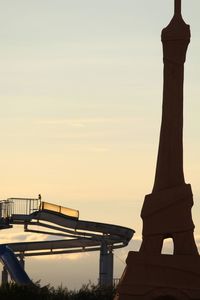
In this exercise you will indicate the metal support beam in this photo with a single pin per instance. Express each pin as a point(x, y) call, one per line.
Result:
point(106, 266)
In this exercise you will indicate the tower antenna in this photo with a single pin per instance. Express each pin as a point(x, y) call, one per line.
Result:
point(177, 7)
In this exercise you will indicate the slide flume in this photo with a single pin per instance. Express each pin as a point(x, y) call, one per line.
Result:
point(13, 266)
point(52, 219)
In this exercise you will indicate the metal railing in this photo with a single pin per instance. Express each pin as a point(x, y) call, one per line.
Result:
point(24, 206)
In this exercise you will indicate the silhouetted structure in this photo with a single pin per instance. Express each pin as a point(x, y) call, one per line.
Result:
point(166, 212)
point(77, 236)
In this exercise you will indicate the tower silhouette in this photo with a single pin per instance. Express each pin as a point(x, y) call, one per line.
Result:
point(166, 212)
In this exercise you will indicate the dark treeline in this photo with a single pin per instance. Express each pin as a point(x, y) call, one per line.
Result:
point(86, 292)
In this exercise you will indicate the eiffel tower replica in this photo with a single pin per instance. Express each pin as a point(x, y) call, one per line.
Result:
point(166, 212)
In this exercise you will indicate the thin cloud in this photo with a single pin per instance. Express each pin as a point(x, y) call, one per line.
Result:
point(82, 122)
point(22, 237)
point(70, 256)
point(99, 149)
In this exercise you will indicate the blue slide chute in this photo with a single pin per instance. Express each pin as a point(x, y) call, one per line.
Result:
point(13, 266)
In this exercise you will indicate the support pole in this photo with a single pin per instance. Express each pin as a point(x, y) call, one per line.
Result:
point(22, 260)
point(4, 276)
point(106, 266)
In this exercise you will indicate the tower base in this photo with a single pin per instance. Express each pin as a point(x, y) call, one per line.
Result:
point(148, 277)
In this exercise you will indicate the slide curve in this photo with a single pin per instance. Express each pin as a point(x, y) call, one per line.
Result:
point(13, 266)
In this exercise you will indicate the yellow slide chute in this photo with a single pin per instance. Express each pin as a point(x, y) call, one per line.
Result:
point(73, 213)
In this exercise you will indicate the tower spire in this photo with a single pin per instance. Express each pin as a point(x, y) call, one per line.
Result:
point(177, 7)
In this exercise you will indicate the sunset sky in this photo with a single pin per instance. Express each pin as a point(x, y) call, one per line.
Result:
point(81, 96)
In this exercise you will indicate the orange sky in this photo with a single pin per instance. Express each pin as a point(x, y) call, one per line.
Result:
point(81, 94)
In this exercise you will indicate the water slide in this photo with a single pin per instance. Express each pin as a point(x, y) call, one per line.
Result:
point(13, 266)
point(79, 235)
